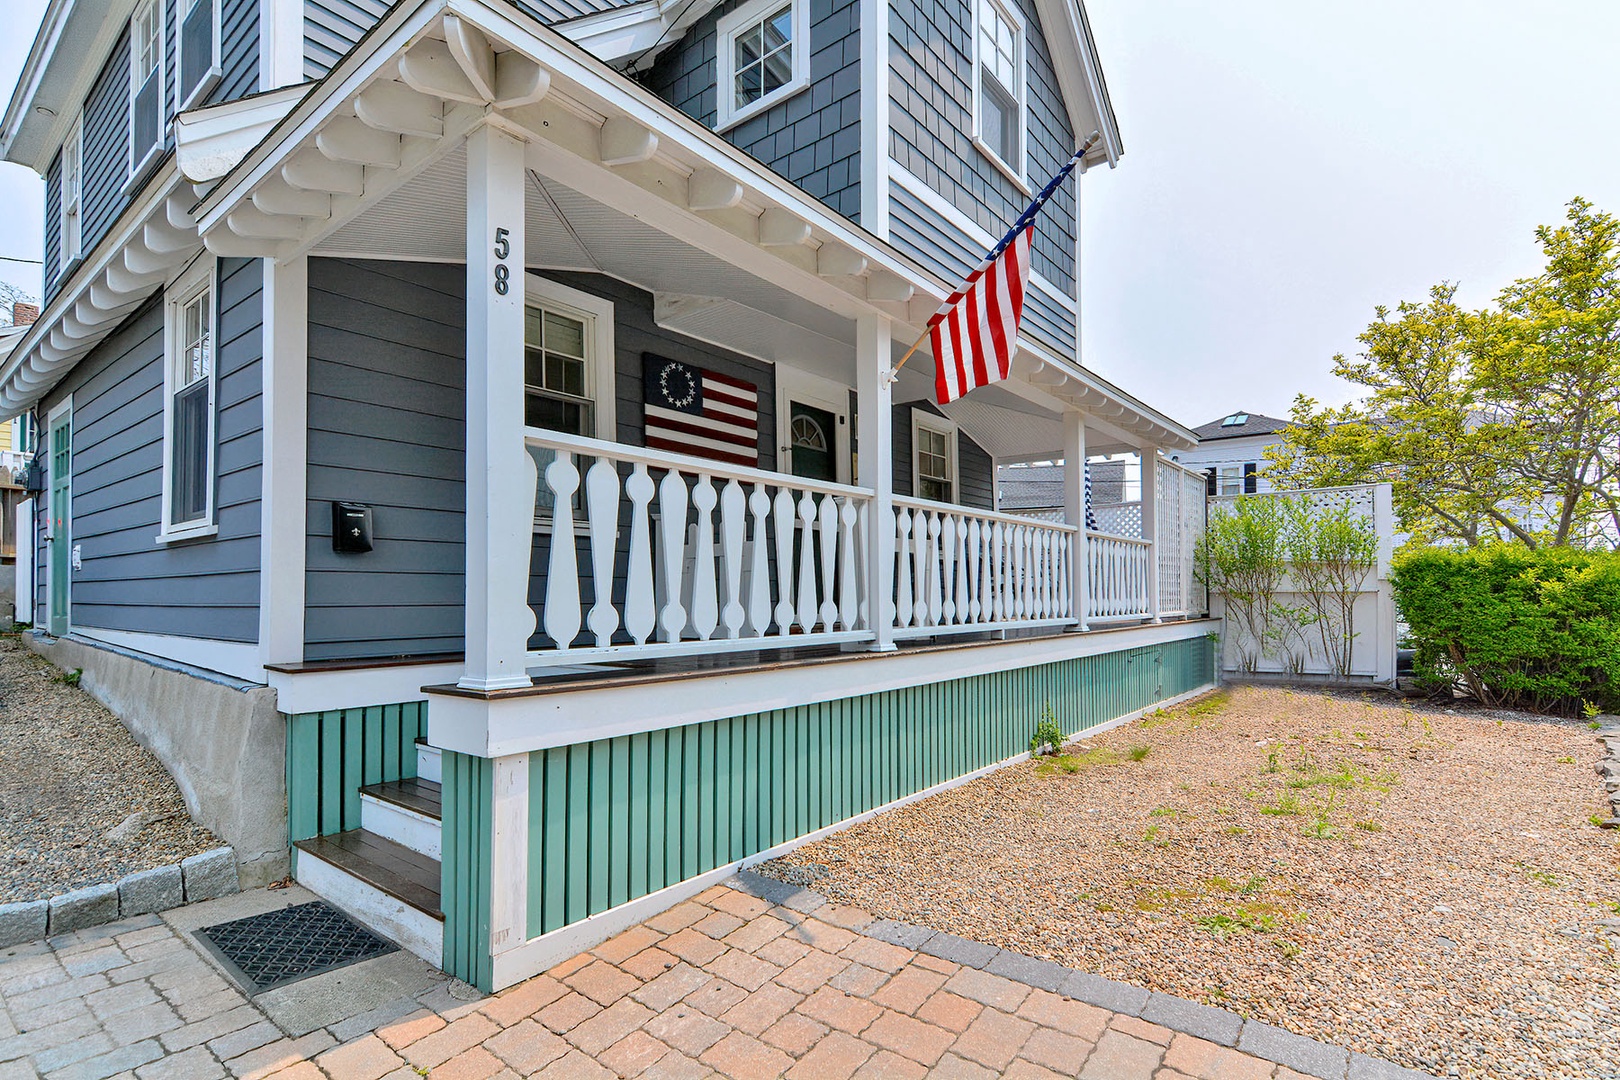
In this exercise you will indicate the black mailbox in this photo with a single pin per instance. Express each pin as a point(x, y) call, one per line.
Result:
point(34, 478)
point(351, 527)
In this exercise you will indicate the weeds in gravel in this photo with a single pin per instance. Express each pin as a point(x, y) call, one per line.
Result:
point(1137, 753)
point(1321, 829)
point(1164, 811)
point(1290, 950)
point(1047, 734)
point(1236, 830)
point(70, 678)
point(1544, 878)
point(1155, 836)
point(1287, 805)
point(1069, 764)
point(1566, 760)
point(1369, 826)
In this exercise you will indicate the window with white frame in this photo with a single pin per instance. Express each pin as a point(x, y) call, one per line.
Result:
point(933, 457)
point(763, 57)
point(567, 368)
point(72, 178)
point(199, 64)
point(189, 472)
point(145, 84)
point(1229, 480)
point(998, 85)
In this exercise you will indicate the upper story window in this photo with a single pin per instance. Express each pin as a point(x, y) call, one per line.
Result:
point(145, 84)
point(188, 487)
point(764, 57)
point(998, 85)
point(199, 50)
point(73, 194)
point(933, 457)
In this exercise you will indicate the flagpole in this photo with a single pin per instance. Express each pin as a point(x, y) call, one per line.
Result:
point(1096, 136)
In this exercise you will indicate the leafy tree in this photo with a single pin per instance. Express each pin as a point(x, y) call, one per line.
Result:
point(1490, 425)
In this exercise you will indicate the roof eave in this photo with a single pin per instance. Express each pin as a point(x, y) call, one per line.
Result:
point(68, 52)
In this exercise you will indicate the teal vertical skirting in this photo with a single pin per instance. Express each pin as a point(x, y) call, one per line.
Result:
point(332, 755)
point(616, 819)
point(465, 867)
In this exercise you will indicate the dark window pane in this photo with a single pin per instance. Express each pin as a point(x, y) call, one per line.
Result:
point(146, 116)
point(188, 487)
point(534, 367)
point(196, 46)
point(778, 69)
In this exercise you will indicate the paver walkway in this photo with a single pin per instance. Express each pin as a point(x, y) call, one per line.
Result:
point(750, 979)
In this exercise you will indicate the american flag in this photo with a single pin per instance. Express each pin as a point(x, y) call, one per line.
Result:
point(975, 332)
point(690, 410)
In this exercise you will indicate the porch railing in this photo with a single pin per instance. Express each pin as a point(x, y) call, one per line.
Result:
point(1117, 576)
point(964, 571)
point(668, 554)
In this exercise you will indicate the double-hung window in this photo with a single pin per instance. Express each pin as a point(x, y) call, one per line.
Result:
point(199, 50)
point(145, 85)
point(998, 86)
point(73, 194)
point(567, 369)
point(933, 457)
point(763, 57)
point(189, 461)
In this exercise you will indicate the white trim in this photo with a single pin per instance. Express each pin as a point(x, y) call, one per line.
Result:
point(198, 278)
point(283, 513)
point(796, 384)
point(226, 657)
point(509, 853)
point(355, 688)
point(617, 33)
point(27, 560)
point(63, 410)
point(875, 73)
point(137, 169)
point(544, 952)
point(391, 821)
point(922, 420)
point(208, 142)
point(597, 314)
point(69, 253)
point(216, 68)
point(727, 115)
point(281, 43)
point(525, 722)
point(415, 930)
point(1014, 171)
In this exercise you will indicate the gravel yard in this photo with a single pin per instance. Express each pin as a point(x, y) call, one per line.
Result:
point(81, 802)
point(1417, 884)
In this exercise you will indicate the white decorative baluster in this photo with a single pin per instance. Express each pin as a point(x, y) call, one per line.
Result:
point(672, 541)
point(759, 575)
point(919, 566)
point(947, 568)
point(602, 506)
point(936, 584)
point(973, 557)
point(827, 518)
point(863, 607)
point(640, 605)
point(964, 596)
point(705, 613)
point(562, 615)
point(903, 610)
point(733, 523)
point(785, 515)
point(808, 607)
point(848, 583)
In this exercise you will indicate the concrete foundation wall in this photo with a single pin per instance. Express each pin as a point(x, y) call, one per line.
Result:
point(225, 745)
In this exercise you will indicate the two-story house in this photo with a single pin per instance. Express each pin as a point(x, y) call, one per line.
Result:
point(472, 456)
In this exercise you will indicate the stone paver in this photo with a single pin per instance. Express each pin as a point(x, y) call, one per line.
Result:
point(748, 979)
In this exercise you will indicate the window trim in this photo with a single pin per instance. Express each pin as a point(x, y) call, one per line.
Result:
point(197, 279)
point(71, 253)
point(1229, 473)
point(1017, 171)
point(601, 368)
point(216, 63)
point(138, 168)
point(921, 420)
point(727, 115)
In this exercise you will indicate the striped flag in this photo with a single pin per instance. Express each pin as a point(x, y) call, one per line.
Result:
point(975, 332)
point(690, 410)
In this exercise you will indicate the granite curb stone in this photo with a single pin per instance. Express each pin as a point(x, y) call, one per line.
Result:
point(959, 950)
point(84, 908)
point(1363, 1067)
point(1205, 1021)
point(146, 891)
point(210, 875)
point(1026, 969)
point(23, 922)
point(1295, 1051)
point(207, 876)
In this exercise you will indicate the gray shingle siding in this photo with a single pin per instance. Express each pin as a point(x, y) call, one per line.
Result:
point(975, 479)
point(812, 139)
point(206, 588)
point(931, 86)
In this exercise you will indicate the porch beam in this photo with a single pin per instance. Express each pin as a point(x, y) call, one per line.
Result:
point(500, 472)
point(1150, 526)
point(1074, 508)
point(874, 354)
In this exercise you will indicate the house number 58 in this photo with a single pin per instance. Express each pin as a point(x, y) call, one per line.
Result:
point(503, 248)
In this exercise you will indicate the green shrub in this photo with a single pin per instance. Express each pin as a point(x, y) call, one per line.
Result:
point(1047, 734)
point(1536, 630)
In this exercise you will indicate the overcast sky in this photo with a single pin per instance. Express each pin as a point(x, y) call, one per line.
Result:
point(1288, 166)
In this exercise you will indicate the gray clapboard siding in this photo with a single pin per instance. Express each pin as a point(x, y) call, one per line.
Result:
point(106, 157)
point(812, 139)
point(53, 225)
point(206, 588)
point(975, 479)
point(931, 126)
point(238, 51)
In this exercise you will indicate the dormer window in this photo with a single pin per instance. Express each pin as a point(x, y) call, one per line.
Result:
point(145, 85)
point(764, 58)
point(998, 86)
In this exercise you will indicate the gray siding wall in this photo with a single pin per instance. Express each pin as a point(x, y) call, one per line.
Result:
point(975, 480)
point(387, 401)
point(238, 51)
point(53, 223)
point(812, 139)
point(207, 588)
point(931, 87)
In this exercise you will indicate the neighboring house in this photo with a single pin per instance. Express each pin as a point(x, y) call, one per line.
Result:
point(352, 311)
point(1037, 489)
point(1231, 451)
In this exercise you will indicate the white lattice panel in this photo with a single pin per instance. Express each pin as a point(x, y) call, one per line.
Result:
point(1119, 519)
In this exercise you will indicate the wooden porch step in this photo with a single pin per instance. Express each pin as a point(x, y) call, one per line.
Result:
point(408, 876)
point(423, 796)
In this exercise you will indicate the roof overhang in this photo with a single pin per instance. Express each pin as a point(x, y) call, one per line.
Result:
point(637, 32)
point(56, 77)
point(208, 143)
point(1080, 78)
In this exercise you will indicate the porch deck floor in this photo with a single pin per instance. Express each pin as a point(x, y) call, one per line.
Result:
point(406, 875)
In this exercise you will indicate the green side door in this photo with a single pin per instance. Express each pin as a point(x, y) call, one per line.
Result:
point(61, 487)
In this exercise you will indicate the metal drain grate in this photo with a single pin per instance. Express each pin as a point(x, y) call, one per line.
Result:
point(283, 946)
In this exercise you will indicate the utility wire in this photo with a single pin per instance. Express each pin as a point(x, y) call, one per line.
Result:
point(8, 258)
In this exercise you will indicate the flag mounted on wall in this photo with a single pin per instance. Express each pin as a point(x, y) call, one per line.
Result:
point(690, 410)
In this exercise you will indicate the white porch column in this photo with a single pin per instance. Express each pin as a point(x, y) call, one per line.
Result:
point(500, 472)
point(1074, 507)
point(1150, 525)
point(874, 355)
point(283, 511)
